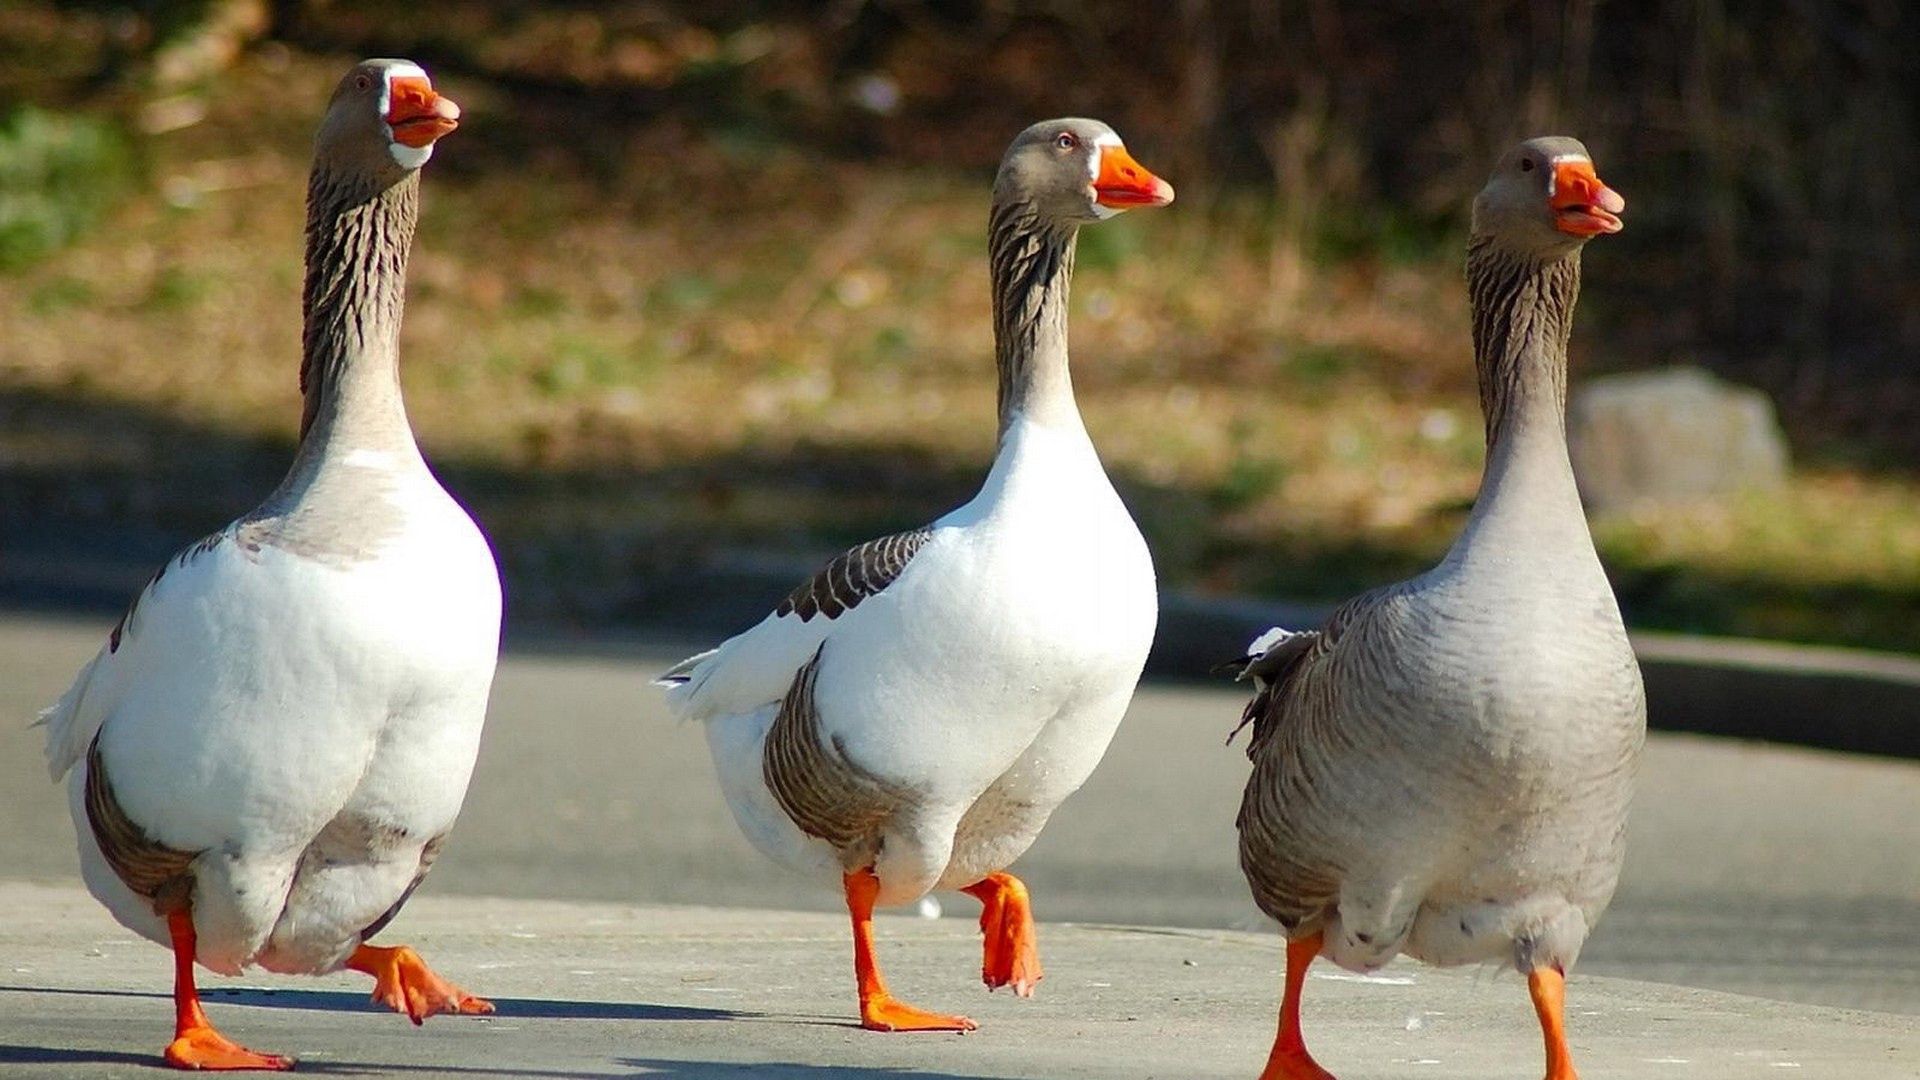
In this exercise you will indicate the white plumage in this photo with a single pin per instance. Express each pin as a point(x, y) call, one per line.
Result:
point(262, 701)
point(989, 676)
point(268, 751)
point(910, 718)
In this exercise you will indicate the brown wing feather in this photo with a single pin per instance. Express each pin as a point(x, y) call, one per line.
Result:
point(151, 869)
point(1293, 684)
point(852, 577)
point(825, 794)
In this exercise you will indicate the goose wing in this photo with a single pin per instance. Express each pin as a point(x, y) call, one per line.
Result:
point(758, 667)
point(1295, 706)
point(73, 721)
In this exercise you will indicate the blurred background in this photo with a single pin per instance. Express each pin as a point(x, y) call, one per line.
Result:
point(699, 294)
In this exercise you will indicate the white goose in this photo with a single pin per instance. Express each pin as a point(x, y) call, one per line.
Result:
point(907, 720)
point(1444, 768)
point(276, 738)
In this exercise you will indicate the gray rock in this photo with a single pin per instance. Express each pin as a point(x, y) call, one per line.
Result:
point(1670, 436)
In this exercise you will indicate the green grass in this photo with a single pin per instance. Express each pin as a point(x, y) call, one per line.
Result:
point(58, 174)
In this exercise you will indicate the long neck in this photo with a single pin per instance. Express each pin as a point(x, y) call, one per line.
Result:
point(358, 238)
point(1032, 264)
point(1522, 316)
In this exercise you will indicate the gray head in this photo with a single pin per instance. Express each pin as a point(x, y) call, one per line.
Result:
point(1073, 171)
point(1545, 200)
point(383, 121)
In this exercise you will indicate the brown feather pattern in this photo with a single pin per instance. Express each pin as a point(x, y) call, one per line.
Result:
point(1031, 261)
point(850, 578)
point(151, 869)
point(1516, 300)
point(825, 794)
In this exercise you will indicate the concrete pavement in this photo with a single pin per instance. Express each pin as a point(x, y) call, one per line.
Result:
point(1785, 873)
point(596, 990)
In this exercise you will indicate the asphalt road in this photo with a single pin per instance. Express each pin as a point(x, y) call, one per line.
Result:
point(1782, 873)
point(589, 991)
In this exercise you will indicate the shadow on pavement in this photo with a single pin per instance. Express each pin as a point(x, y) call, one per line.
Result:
point(352, 1001)
point(59, 1055)
point(705, 1070)
point(54, 1055)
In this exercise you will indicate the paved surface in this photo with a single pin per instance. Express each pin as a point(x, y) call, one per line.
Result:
point(587, 990)
point(1788, 874)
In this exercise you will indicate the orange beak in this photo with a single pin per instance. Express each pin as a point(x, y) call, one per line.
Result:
point(1582, 205)
point(416, 114)
point(1124, 183)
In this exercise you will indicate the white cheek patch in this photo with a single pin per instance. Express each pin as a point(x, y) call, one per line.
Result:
point(409, 157)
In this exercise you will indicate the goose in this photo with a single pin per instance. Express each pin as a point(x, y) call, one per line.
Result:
point(908, 719)
point(1443, 769)
point(271, 746)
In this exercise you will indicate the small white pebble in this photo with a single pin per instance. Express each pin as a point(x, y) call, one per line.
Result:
point(1414, 1022)
point(928, 907)
point(1189, 963)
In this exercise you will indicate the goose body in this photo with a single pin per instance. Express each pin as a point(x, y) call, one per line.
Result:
point(908, 719)
point(296, 702)
point(987, 679)
point(267, 753)
point(1444, 769)
point(1452, 772)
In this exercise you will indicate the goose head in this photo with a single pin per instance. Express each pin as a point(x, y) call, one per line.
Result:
point(1545, 200)
point(1073, 171)
point(383, 121)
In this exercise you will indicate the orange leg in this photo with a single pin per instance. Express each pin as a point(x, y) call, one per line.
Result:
point(1006, 924)
point(403, 982)
point(878, 1010)
point(1548, 986)
point(196, 1045)
point(1289, 1059)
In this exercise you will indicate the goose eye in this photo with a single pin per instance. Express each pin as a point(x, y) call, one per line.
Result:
point(1065, 141)
point(363, 82)
point(1526, 164)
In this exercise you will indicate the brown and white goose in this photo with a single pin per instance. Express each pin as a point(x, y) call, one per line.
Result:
point(910, 718)
point(1444, 768)
point(275, 740)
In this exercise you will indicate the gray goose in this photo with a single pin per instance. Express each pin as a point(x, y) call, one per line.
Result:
point(271, 746)
point(1444, 768)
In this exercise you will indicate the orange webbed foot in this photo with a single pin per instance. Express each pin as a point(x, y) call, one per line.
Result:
point(1012, 951)
point(880, 1012)
point(403, 982)
point(205, 1048)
